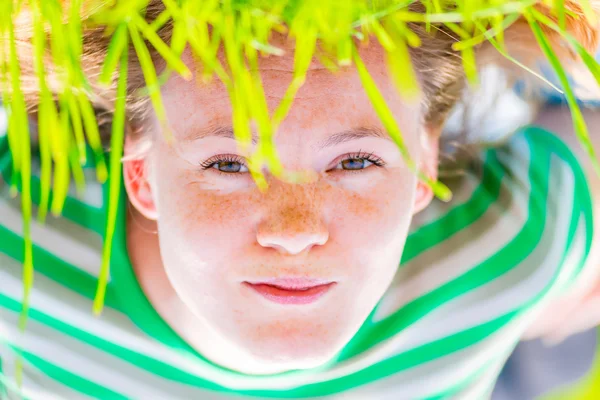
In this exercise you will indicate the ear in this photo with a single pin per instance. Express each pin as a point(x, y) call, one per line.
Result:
point(137, 180)
point(429, 166)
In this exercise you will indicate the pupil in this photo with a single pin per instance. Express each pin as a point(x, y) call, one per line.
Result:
point(353, 163)
point(229, 166)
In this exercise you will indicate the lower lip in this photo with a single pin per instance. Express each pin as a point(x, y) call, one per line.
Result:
point(291, 296)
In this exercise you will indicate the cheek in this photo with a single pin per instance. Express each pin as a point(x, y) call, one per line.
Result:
point(199, 222)
point(376, 218)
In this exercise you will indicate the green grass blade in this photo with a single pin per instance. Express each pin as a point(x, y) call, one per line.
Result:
point(387, 118)
point(496, 31)
point(559, 8)
point(305, 49)
point(503, 52)
point(93, 135)
point(116, 154)
point(76, 121)
point(21, 147)
point(62, 176)
point(151, 79)
point(172, 60)
point(579, 124)
point(46, 164)
point(161, 20)
point(589, 60)
point(401, 67)
point(113, 54)
point(589, 12)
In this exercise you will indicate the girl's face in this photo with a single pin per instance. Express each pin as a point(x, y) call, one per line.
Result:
point(287, 276)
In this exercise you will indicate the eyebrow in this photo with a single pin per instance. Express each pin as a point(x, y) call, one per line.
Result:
point(353, 134)
point(214, 131)
point(333, 140)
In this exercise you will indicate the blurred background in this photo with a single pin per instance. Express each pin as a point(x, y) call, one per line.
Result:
point(537, 369)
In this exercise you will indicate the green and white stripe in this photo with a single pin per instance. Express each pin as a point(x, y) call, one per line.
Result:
point(474, 274)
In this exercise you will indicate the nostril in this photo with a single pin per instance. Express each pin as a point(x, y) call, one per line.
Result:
point(293, 244)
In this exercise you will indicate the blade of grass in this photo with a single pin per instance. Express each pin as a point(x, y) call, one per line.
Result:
point(559, 8)
point(46, 164)
point(389, 122)
point(305, 48)
point(589, 60)
point(496, 31)
point(151, 79)
point(589, 12)
point(400, 65)
point(61, 170)
point(116, 154)
point(115, 48)
point(93, 135)
point(20, 124)
point(76, 121)
point(161, 20)
point(579, 124)
point(172, 60)
point(502, 51)
point(483, 13)
point(45, 130)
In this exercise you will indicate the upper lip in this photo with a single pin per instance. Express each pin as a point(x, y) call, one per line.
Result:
point(291, 283)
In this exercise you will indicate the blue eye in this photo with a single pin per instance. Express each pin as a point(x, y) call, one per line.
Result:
point(358, 161)
point(355, 164)
point(227, 164)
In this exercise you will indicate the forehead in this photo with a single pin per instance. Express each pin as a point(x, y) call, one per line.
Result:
point(277, 73)
point(325, 99)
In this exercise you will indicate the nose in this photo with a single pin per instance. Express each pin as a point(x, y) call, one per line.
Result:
point(293, 223)
point(293, 243)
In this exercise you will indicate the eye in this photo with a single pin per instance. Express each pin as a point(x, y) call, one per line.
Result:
point(355, 163)
point(227, 164)
point(358, 161)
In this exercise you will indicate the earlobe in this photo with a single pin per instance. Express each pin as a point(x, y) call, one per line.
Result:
point(423, 196)
point(429, 166)
point(135, 175)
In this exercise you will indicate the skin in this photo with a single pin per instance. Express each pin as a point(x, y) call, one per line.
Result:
point(195, 235)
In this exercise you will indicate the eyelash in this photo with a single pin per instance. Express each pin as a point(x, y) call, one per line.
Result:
point(370, 157)
point(227, 158)
point(231, 158)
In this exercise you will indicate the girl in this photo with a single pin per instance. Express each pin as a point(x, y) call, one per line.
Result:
point(351, 284)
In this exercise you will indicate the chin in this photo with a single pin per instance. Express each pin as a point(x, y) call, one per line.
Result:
point(294, 349)
point(278, 360)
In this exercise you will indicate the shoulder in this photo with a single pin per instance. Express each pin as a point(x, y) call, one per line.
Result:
point(66, 248)
point(474, 270)
point(521, 212)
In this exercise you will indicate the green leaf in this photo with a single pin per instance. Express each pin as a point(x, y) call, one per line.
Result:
point(401, 67)
point(93, 135)
point(113, 55)
point(589, 60)
point(579, 125)
point(391, 126)
point(172, 60)
point(116, 154)
point(305, 48)
point(589, 12)
point(150, 77)
point(503, 52)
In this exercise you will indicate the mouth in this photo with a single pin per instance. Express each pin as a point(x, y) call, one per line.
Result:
point(291, 291)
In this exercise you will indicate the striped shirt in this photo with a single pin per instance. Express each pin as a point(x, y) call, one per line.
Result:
point(473, 275)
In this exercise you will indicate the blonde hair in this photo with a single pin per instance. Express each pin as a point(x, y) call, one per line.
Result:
point(437, 64)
